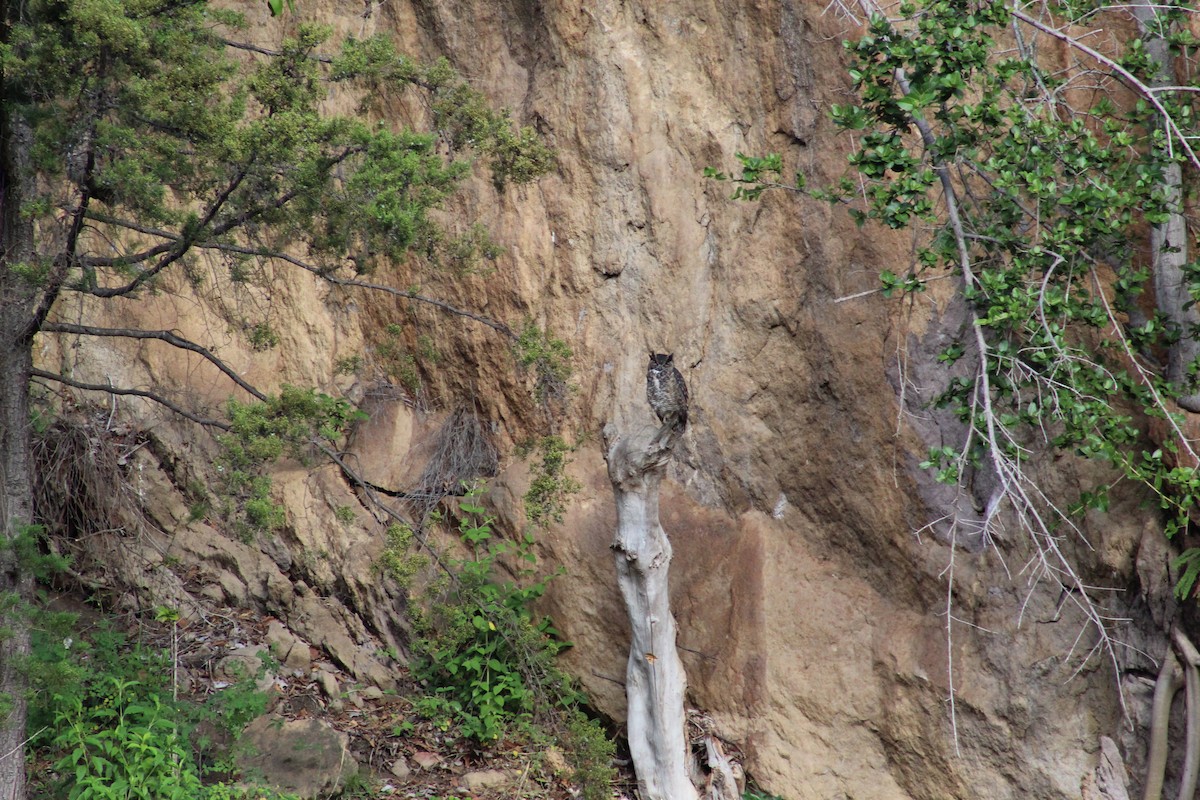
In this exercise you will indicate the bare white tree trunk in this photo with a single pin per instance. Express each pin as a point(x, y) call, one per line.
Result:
point(655, 683)
point(1169, 240)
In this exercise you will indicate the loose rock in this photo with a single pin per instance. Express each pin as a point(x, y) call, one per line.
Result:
point(329, 685)
point(305, 757)
point(484, 779)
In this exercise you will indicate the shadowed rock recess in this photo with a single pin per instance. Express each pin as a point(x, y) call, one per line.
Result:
point(812, 618)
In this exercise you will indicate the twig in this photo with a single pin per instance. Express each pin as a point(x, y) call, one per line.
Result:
point(21, 747)
point(369, 490)
point(325, 273)
point(879, 289)
point(1127, 77)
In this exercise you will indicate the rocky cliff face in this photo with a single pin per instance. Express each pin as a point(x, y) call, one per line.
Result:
point(812, 611)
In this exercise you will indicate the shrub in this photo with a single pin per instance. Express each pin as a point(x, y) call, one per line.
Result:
point(102, 712)
point(482, 649)
point(117, 742)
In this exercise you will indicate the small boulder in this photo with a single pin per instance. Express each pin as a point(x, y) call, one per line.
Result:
point(292, 651)
point(241, 664)
point(329, 685)
point(556, 762)
point(484, 779)
point(305, 757)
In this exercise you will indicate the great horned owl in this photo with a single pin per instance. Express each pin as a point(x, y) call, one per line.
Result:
point(666, 391)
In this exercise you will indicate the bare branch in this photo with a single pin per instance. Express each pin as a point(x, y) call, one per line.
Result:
point(369, 489)
point(184, 243)
point(254, 48)
point(1035, 512)
point(111, 390)
point(137, 258)
point(321, 272)
point(327, 275)
point(1127, 77)
point(165, 336)
point(419, 298)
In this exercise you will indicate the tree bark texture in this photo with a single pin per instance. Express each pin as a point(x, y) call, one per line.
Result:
point(16, 513)
point(17, 298)
point(655, 680)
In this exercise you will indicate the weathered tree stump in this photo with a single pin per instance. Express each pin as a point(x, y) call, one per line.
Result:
point(655, 682)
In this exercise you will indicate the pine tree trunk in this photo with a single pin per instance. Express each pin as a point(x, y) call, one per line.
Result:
point(655, 683)
point(17, 298)
point(15, 585)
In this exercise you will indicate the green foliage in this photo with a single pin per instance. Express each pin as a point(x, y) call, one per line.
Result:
point(466, 253)
point(33, 558)
point(157, 135)
point(224, 791)
point(1189, 562)
point(757, 176)
point(122, 745)
point(348, 365)
point(549, 358)
point(1095, 179)
point(754, 794)
point(262, 432)
point(140, 110)
point(398, 363)
point(1053, 203)
point(591, 753)
point(398, 559)
point(276, 6)
point(102, 710)
point(359, 786)
point(546, 498)
point(232, 709)
point(484, 653)
point(287, 423)
point(263, 337)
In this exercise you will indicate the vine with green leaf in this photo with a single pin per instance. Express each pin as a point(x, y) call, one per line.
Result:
point(549, 358)
point(549, 485)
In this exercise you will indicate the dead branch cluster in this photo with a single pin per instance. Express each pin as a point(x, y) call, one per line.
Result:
point(82, 481)
point(462, 453)
point(86, 490)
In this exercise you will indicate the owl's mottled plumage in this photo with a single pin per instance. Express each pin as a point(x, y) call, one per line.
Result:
point(666, 391)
